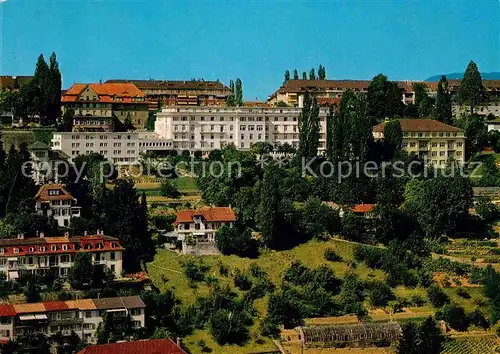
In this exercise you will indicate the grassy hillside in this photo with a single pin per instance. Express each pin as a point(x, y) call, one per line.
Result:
point(166, 273)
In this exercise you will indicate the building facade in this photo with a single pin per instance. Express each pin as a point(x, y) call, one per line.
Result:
point(79, 316)
point(292, 91)
point(196, 229)
point(53, 201)
point(44, 162)
point(40, 255)
point(98, 106)
point(209, 128)
point(183, 93)
point(119, 148)
point(430, 139)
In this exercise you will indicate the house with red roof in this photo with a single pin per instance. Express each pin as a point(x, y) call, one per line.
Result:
point(196, 229)
point(97, 106)
point(153, 346)
point(54, 201)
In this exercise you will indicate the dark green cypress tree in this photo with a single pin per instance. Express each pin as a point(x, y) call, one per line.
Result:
point(471, 91)
point(287, 75)
point(238, 93)
point(304, 75)
point(309, 127)
point(267, 211)
point(295, 74)
point(312, 74)
point(443, 102)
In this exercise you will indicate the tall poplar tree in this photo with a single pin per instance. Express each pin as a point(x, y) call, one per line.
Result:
point(231, 101)
point(295, 74)
point(304, 75)
point(312, 74)
point(309, 127)
point(471, 91)
point(321, 72)
point(268, 209)
point(287, 75)
point(238, 93)
point(443, 102)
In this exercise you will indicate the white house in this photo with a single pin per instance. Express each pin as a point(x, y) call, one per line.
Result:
point(196, 228)
point(52, 200)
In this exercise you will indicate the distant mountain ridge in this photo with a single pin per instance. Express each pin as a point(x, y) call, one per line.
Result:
point(455, 76)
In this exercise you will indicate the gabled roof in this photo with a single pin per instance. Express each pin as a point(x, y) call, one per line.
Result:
point(152, 346)
point(420, 125)
point(106, 92)
point(38, 145)
point(175, 84)
point(7, 311)
point(363, 208)
point(217, 214)
point(43, 193)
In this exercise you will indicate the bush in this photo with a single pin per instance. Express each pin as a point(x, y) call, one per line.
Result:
point(436, 296)
point(463, 293)
point(332, 256)
point(298, 274)
point(379, 293)
point(257, 271)
point(418, 300)
point(454, 316)
point(477, 319)
point(373, 257)
point(223, 269)
point(168, 189)
point(269, 328)
point(260, 289)
point(242, 280)
point(234, 240)
point(195, 271)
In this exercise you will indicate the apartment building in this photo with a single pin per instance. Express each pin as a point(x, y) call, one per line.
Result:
point(53, 201)
point(292, 92)
point(119, 148)
point(182, 93)
point(39, 255)
point(97, 106)
point(430, 139)
point(196, 228)
point(209, 128)
point(79, 316)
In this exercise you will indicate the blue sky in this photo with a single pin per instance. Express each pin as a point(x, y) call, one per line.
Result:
point(253, 40)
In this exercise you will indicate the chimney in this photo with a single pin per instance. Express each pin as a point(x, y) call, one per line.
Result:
point(98, 232)
point(42, 235)
point(66, 234)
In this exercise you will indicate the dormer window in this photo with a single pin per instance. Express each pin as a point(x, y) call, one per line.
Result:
point(2, 250)
point(16, 250)
point(42, 248)
point(87, 246)
point(31, 250)
point(53, 191)
point(53, 248)
point(65, 247)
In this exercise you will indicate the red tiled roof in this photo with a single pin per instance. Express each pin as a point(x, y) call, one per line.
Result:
point(107, 92)
point(363, 208)
point(175, 85)
point(218, 214)
point(255, 104)
point(7, 311)
point(152, 346)
point(420, 125)
point(43, 193)
point(56, 306)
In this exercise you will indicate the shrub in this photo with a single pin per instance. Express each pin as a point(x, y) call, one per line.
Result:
point(379, 293)
point(260, 288)
point(195, 271)
point(418, 300)
point(223, 269)
point(454, 316)
point(373, 257)
point(298, 274)
point(463, 293)
point(477, 319)
point(436, 296)
point(168, 189)
point(332, 256)
point(257, 271)
point(242, 280)
point(269, 328)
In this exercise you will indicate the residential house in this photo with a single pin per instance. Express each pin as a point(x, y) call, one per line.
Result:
point(45, 162)
point(98, 106)
point(79, 316)
point(40, 255)
point(430, 139)
point(153, 346)
point(52, 200)
point(196, 229)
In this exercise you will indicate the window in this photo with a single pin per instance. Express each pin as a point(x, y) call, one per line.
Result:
point(2, 250)
point(88, 314)
point(65, 258)
point(42, 248)
point(16, 250)
point(136, 323)
point(53, 248)
point(136, 312)
point(112, 256)
point(65, 247)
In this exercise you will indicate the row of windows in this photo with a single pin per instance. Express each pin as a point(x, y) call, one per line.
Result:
point(449, 145)
point(434, 134)
point(101, 137)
